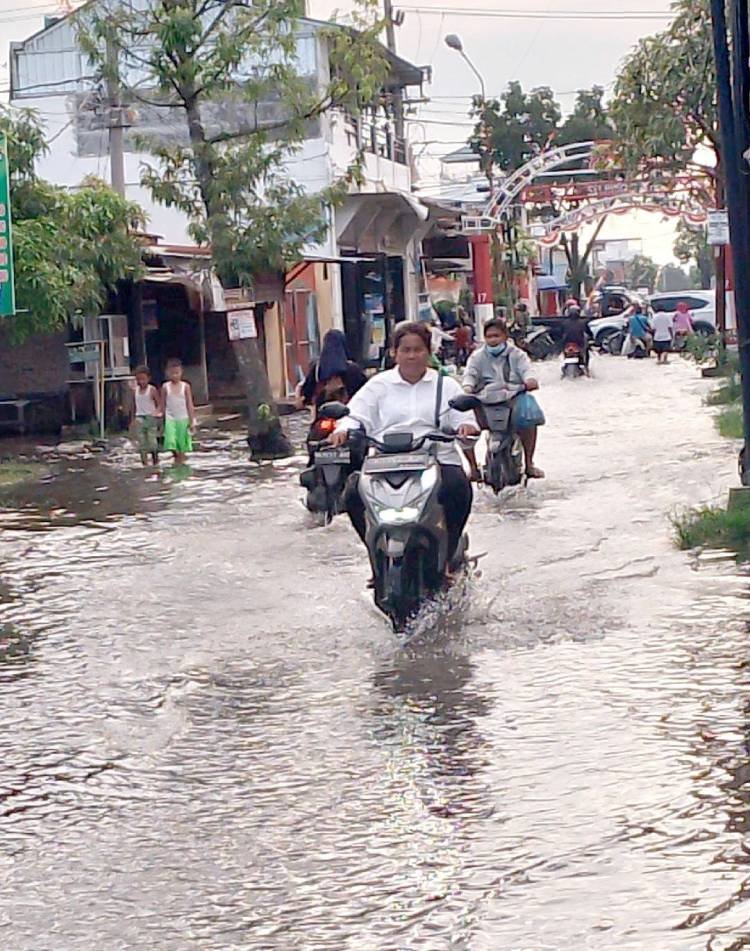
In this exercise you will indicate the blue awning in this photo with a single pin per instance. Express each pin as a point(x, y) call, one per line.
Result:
point(546, 283)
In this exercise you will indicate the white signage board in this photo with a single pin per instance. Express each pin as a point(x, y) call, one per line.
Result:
point(718, 227)
point(241, 324)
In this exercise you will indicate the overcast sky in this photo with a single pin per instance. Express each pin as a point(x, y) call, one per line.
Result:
point(566, 54)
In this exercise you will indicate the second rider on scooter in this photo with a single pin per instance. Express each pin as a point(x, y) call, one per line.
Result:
point(501, 361)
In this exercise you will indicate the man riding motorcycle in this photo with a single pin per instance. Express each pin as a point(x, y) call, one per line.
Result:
point(405, 399)
point(501, 361)
point(576, 334)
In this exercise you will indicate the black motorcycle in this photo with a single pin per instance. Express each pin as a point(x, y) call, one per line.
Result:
point(504, 466)
point(328, 469)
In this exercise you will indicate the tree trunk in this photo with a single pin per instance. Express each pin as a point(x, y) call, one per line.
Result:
point(265, 436)
point(264, 433)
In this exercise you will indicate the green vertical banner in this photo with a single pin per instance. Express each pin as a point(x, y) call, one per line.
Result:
point(7, 288)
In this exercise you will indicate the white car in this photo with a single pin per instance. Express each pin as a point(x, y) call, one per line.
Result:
point(702, 306)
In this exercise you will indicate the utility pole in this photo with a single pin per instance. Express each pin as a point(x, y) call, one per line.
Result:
point(390, 39)
point(733, 88)
point(114, 121)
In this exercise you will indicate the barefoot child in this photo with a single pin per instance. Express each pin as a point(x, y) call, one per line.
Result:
point(179, 413)
point(146, 412)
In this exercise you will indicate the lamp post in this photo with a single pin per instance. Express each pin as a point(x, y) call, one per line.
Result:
point(455, 43)
point(481, 244)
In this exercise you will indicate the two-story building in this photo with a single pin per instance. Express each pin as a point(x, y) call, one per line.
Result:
point(363, 277)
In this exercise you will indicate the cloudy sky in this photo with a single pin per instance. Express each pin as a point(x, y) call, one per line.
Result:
point(538, 42)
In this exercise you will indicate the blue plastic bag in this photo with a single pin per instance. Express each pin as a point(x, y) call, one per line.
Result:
point(527, 413)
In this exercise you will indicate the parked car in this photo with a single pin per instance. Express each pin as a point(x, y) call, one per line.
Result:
point(702, 305)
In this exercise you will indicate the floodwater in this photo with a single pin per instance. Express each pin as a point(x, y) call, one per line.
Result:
point(210, 740)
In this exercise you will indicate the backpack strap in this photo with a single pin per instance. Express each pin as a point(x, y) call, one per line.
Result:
point(438, 400)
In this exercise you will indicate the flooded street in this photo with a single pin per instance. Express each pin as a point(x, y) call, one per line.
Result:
point(212, 741)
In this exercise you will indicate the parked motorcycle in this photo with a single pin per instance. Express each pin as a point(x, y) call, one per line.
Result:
point(406, 536)
point(504, 464)
point(573, 365)
point(325, 478)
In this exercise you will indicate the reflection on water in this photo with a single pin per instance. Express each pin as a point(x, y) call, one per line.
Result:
point(212, 741)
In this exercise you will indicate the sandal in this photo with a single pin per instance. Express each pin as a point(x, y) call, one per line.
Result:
point(534, 473)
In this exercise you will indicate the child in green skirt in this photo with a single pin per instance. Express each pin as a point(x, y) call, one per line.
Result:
point(179, 413)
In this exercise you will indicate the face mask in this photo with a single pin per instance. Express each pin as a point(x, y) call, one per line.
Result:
point(498, 350)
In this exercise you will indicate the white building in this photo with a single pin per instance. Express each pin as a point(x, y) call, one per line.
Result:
point(362, 278)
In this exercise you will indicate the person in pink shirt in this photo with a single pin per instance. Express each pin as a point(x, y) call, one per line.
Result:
point(683, 320)
point(682, 325)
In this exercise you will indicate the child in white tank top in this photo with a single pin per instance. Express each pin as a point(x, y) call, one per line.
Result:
point(179, 413)
point(146, 413)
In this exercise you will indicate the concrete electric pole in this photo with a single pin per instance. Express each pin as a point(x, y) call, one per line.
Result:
point(114, 122)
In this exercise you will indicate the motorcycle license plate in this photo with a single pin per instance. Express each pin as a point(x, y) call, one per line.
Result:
point(397, 462)
point(333, 457)
point(574, 360)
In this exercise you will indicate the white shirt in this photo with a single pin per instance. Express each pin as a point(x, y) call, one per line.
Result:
point(176, 407)
point(663, 326)
point(388, 403)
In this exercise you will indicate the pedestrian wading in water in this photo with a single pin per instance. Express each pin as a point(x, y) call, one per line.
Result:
point(146, 413)
point(179, 413)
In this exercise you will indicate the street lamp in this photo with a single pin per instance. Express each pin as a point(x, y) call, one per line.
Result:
point(481, 245)
point(454, 42)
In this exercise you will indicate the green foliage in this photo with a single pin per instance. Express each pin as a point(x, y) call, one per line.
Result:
point(730, 423)
point(691, 247)
point(712, 527)
point(12, 472)
point(642, 271)
point(673, 278)
point(664, 103)
point(588, 121)
point(726, 394)
point(702, 348)
point(516, 126)
point(229, 75)
point(69, 248)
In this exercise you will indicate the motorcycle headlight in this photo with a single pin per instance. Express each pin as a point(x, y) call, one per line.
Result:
point(398, 516)
point(429, 478)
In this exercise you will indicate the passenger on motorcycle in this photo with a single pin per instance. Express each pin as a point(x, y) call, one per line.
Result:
point(404, 400)
point(577, 333)
point(501, 361)
point(332, 377)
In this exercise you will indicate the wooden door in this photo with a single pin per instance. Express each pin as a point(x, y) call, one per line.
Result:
point(296, 330)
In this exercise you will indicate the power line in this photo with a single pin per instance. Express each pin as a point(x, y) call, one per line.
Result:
point(541, 14)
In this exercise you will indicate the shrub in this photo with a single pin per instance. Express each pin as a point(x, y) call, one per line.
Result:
point(713, 527)
point(730, 422)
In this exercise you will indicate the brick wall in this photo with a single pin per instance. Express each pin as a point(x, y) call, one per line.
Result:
point(37, 370)
point(38, 367)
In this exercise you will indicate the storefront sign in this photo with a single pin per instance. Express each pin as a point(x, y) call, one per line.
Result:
point(7, 287)
point(718, 227)
point(241, 324)
point(84, 352)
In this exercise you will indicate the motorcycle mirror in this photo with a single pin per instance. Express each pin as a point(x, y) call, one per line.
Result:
point(465, 403)
point(333, 411)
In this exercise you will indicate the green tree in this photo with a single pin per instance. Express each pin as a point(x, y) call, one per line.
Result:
point(673, 278)
point(691, 247)
point(510, 130)
point(664, 103)
point(69, 248)
point(228, 72)
point(642, 271)
point(588, 121)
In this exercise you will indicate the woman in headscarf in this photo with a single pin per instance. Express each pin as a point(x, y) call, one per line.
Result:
point(683, 325)
point(333, 376)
